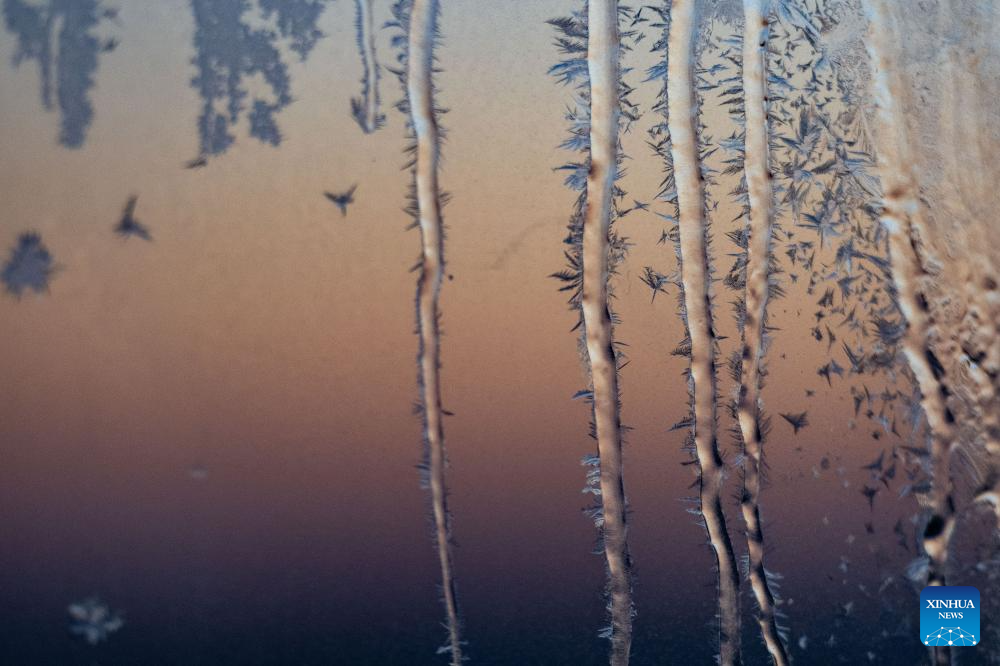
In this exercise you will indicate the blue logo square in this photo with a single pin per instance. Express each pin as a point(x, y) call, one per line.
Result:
point(949, 616)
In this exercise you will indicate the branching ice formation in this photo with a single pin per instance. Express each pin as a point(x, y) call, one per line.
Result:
point(682, 125)
point(229, 52)
point(417, 23)
point(592, 42)
point(29, 266)
point(366, 109)
point(59, 34)
point(758, 287)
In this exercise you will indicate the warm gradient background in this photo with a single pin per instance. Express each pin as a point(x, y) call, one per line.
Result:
point(270, 340)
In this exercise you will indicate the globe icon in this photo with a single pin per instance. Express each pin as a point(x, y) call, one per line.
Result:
point(950, 636)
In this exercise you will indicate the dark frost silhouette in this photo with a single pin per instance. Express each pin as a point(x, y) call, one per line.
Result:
point(129, 225)
point(296, 20)
point(366, 108)
point(60, 36)
point(343, 199)
point(29, 266)
point(230, 52)
point(797, 421)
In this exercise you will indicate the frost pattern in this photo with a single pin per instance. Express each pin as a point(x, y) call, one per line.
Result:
point(230, 51)
point(29, 266)
point(60, 36)
point(93, 620)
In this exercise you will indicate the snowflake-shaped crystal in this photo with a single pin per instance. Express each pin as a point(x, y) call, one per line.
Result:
point(93, 620)
point(28, 267)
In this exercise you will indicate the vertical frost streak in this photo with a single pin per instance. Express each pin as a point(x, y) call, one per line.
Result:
point(902, 218)
point(420, 93)
point(365, 109)
point(758, 179)
point(683, 111)
point(602, 66)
